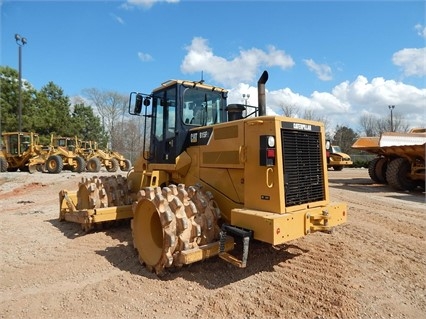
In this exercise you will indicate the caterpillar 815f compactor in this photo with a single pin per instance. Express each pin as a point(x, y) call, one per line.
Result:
point(211, 172)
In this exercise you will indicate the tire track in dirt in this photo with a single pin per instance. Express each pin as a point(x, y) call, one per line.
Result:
point(385, 241)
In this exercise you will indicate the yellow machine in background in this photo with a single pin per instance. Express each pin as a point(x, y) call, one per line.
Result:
point(23, 151)
point(336, 159)
point(400, 160)
point(211, 172)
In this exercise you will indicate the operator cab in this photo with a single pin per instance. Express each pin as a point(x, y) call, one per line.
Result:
point(173, 109)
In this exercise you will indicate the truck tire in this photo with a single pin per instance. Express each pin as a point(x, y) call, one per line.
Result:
point(337, 168)
point(93, 165)
point(54, 164)
point(114, 165)
point(377, 170)
point(397, 174)
point(80, 165)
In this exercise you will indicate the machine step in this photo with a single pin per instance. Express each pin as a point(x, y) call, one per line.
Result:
point(244, 234)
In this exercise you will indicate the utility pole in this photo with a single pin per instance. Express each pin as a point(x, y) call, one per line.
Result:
point(391, 107)
point(20, 41)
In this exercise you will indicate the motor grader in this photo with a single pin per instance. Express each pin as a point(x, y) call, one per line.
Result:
point(62, 156)
point(400, 160)
point(96, 158)
point(23, 151)
point(212, 174)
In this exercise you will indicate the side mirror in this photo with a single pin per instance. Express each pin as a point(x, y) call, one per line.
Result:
point(138, 104)
point(147, 101)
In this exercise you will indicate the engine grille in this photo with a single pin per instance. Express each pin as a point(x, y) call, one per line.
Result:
point(303, 169)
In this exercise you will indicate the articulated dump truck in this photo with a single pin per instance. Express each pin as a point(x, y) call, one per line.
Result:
point(209, 174)
point(400, 160)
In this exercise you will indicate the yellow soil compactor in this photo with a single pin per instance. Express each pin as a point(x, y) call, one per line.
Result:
point(209, 174)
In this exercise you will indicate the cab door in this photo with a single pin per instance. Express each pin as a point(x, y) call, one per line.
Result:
point(163, 140)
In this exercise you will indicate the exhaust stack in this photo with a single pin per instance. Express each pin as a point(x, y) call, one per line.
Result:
point(261, 93)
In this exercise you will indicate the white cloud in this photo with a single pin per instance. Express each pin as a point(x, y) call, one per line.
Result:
point(323, 71)
point(347, 101)
point(144, 57)
point(412, 61)
point(343, 105)
point(117, 18)
point(244, 67)
point(147, 3)
point(421, 30)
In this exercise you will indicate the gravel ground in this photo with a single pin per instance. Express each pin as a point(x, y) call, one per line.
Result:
point(374, 266)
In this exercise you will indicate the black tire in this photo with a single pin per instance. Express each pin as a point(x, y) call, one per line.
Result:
point(24, 169)
point(126, 166)
point(54, 164)
point(337, 168)
point(93, 165)
point(114, 165)
point(3, 164)
point(397, 174)
point(80, 165)
point(381, 168)
point(377, 170)
point(420, 184)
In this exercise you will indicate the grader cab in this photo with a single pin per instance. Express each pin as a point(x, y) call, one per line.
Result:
point(22, 151)
point(210, 174)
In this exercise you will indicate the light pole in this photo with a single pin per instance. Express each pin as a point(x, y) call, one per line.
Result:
point(246, 97)
point(20, 41)
point(391, 107)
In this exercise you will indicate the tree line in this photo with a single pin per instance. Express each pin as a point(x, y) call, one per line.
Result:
point(49, 111)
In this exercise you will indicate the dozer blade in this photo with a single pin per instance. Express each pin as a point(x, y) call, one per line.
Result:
point(88, 218)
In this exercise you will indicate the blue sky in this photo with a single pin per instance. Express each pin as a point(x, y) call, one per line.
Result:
point(340, 59)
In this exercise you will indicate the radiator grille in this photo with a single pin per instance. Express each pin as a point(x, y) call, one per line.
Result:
point(303, 169)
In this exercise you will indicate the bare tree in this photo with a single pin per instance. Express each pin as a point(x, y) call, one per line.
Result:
point(289, 110)
point(111, 106)
point(128, 138)
point(369, 124)
point(374, 126)
point(310, 114)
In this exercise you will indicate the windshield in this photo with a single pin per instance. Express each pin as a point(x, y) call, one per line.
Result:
point(336, 149)
point(201, 107)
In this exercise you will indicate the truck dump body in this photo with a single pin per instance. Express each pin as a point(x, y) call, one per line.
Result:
point(401, 158)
